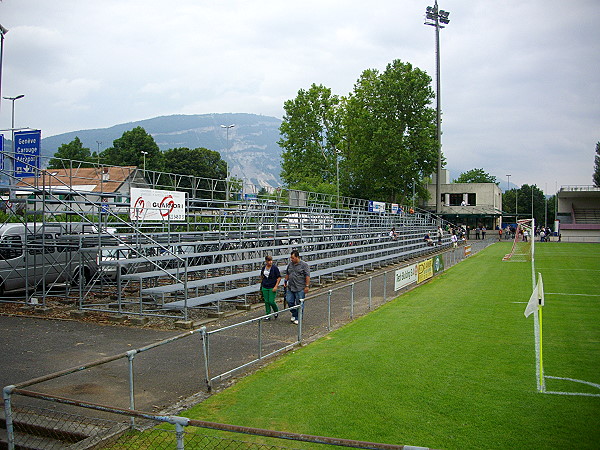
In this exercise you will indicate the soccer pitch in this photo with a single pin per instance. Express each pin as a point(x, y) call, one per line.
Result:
point(448, 365)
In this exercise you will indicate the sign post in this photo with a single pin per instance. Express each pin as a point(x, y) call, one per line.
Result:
point(26, 162)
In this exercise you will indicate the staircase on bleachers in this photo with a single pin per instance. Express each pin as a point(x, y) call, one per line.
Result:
point(587, 216)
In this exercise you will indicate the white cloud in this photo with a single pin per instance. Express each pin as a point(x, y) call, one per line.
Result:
point(519, 79)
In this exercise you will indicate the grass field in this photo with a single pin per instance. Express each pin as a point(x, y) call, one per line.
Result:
point(449, 365)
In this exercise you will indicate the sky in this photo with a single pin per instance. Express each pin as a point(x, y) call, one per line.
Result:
point(520, 80)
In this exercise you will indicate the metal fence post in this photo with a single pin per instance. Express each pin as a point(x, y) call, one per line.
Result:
point(260, 321)
point(352, 301)
point(300, 317)
point(8, 417)
point(370, 292)
point(185, 289)
point(384, 286)
point(179, 432)
point(329, 310)
point(130, 355)
point(205, 351)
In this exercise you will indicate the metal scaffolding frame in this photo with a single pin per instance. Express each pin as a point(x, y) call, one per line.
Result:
point(114, 263)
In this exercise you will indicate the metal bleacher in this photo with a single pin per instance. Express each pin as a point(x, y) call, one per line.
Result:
point(208, 285)
point(214, 255)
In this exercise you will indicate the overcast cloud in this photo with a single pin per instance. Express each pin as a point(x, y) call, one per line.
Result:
point(520, 80)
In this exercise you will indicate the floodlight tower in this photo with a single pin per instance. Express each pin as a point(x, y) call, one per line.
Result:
point(435, 17)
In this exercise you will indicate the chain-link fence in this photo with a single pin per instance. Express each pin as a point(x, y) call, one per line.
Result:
point(46, 428)
point(203, 359)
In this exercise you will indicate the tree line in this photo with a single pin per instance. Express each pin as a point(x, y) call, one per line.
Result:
point(137, 148)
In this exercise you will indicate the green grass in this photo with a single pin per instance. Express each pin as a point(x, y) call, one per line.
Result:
point(448, 365)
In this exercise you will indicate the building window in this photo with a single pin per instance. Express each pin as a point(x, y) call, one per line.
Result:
point(472, 199)
point(456, 199)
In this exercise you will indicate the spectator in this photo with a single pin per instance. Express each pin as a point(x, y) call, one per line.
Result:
point(297, 280)
point(427, 239)
point(270, 277)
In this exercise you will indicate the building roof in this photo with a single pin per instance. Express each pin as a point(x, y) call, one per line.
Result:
point(82, 179)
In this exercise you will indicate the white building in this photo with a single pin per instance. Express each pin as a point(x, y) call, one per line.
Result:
point(470, 204)
point(579, 213)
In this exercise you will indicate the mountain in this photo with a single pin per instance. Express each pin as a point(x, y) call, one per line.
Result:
point(251, 148)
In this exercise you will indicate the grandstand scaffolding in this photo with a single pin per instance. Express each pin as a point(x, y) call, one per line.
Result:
point(80, 221)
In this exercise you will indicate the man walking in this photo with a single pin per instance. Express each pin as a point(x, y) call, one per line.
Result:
point(297, 279)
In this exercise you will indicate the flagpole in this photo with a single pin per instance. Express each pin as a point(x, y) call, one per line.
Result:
point(534, 305)
point(532, 237)
point(536, 332)
point(542, 381)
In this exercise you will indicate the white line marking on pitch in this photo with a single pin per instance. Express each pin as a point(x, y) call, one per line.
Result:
point(564, 293)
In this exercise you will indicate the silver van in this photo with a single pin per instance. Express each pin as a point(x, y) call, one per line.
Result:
point(36, 255)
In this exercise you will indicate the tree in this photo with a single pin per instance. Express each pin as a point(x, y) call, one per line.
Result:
point(310, 135)
point(523, 202)
point(596, 176)
point(206, 165)
point(199, 162)
point(390, 130)
point(476, 176)
point(74, 151)
point(132, 149)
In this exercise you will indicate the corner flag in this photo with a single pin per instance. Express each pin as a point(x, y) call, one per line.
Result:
point(537, 297)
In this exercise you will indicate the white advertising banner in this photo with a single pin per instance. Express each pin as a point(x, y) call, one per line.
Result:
point(157, 205)
point(405, 276)
point(378, 207)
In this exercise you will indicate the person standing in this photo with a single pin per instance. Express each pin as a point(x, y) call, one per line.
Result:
point(270, 278)
point(483, 231)
point(297, 280)
point(454, 240)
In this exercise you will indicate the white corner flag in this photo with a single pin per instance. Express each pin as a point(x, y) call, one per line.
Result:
point(537, 297)
point(536, 301)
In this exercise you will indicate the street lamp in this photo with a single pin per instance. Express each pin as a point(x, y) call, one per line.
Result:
point(98, 153)
point(227, 127)
point(144, 163)
point(3, 31)
point(508, 187)
point(337, 174)
point(12, 127)
point(433, 17)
